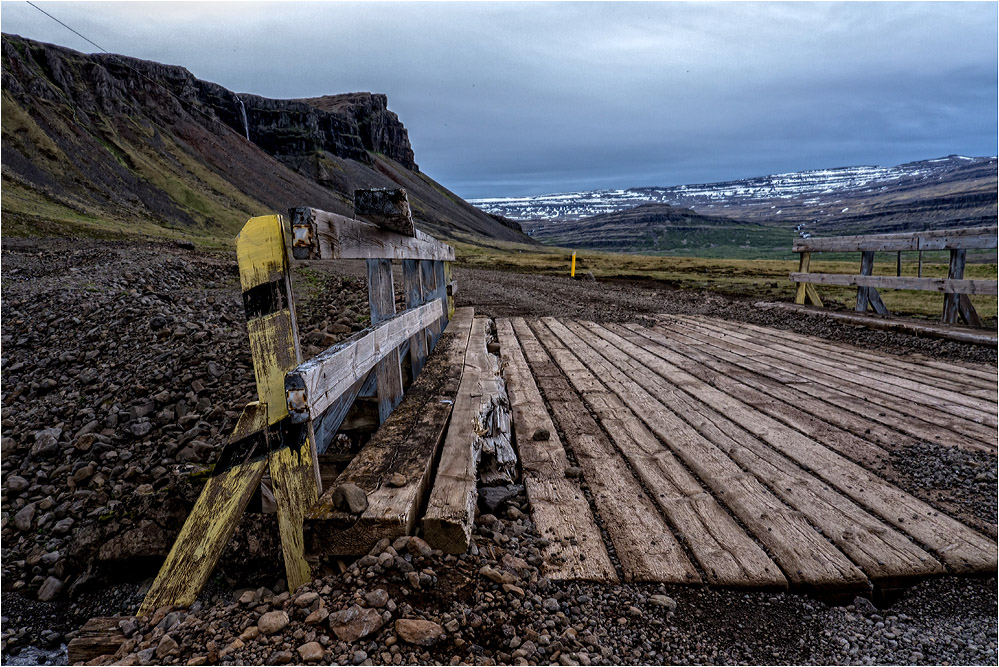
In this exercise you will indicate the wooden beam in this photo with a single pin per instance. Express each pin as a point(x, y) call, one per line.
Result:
point(394, 468)
point(413, 287)
point(320, 235)
point(265, 276)
point(955, 271)
point(389, 209)
point(314, 386)
point(447, 523)
point(863, 293)
point(212, 522)
point(874, 297)
point(967, 311)
point(944, 285)
point(973, 238)
point(803, 262)
point(450, 288)
point(429, 278)
point(381, 300)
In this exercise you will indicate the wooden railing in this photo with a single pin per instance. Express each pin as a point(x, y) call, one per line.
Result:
point(954, 287)
point(301, 406)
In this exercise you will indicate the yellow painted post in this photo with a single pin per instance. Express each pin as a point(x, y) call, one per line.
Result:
point(572, 272)
point(265, 276)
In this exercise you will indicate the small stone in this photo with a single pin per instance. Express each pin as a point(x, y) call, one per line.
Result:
point(355, 622)
point(550, 604)
point(24, 520)
point(311, 652)
point(248, 598)
point(515, 590)
point(417, 631)
point(139, 429)
point(273, 622)
point(377, 598)
point(318, 616)
point(572, 472)
point(167, 646)
point(359, 657)
point(250, 633)
point(350, 498)
point(418, 547)
point(50, 589)
point(16, 484)
point(541, 434)
point(306, 599)
point(634, 611)
point(397, 479)
point(280, 658)
point(663, 601)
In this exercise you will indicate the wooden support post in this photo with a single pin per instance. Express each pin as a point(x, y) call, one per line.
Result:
point(968, 312)
point(449, 287)
point(951, 301)
point(803, 261)
point(429, 290)
point(866, 268)
point(898, 265)
point(441, 291)
point(381, 299)
point(919, 274)
point(413, 285)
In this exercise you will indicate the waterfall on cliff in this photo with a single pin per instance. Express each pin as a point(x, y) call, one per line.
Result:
point(246, 124)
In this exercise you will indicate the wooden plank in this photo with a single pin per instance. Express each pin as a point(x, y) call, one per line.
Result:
point(800, 379)
point(389, 209)
point(413, 287)
point(451, 288)
point(913, 328)
point(320, 235)
point(944, 285)
point(726, 554)
point(806, 558)
point(213, 519)
point(270, 308)
point(447, 523)
point(558, 507)
point(974, 238)
point(328, 422)
point(98, 636)
point(440, 291)
point(381, 300)
point(404, 448)
point(954, 403)
point(429, 279)
point(803, 263)
point(955, 271)
point(967, 311)
point(962, 549)
point(312, 387)
point(950, 377)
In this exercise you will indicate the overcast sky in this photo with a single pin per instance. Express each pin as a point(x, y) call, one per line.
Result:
point(522, 98)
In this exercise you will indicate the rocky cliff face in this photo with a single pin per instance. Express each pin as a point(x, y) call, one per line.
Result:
point(147, 146)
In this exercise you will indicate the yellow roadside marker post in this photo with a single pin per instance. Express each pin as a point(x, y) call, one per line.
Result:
point(572, 271)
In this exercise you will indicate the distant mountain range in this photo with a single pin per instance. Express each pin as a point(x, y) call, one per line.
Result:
point(113, 146)
point(953, 191)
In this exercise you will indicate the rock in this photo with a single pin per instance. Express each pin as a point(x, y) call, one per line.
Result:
point(280, 658)
point(418, 547)
point(24, 520)
point(273, 622)
point(541, 434)
point(550, 604)
point(46, 443)
point(318, 616)
point(355, 622)
point(491, 497)
point(139, 429)
point(306, 599)
point(311, 652)
point(377, 598)
point(50, 589)
point(572, 472)
point(350, 498)
point(16, 484)
point(166, 647)
point(397, 479)
point(493, 347)
point(417, 631)
point(663, 601)
point(358, 657)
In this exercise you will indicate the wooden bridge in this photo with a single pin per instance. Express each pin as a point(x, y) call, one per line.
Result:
point(708, 451)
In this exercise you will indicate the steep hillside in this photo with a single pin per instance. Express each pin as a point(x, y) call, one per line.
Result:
point(107, 145)
point(661, 228)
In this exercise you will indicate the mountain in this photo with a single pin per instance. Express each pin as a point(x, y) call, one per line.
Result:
point(108, 145)
point(954, 191)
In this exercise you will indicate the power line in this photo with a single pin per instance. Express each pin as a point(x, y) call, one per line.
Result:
point(153, 81)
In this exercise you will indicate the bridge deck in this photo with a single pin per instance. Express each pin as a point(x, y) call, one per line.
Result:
point(742, 456)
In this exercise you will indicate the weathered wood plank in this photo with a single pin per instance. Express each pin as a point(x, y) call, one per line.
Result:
point(389, 209)
point(429, 279)
point(98, 636)
point(807, 559)
point(320, 235)
point(954, 271)
point(314, 386)
point(863, 293)
point(818, 386)
point(804, 261)
point(973, 238)
point(943, 285)
point(441, 289)
point(413, 287)
point(967, 311)
point(913, 328)
point(643, 543)
point(381, 300)
point(962, 549)
point(328, 422)
point(212, 522)
point(558, 507)
point(447, 523)
point(273, 331)
point(394, 467)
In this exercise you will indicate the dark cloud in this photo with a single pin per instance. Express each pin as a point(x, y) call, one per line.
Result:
point(509, 98)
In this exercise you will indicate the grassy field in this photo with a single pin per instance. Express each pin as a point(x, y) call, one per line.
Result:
point(760, 279)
